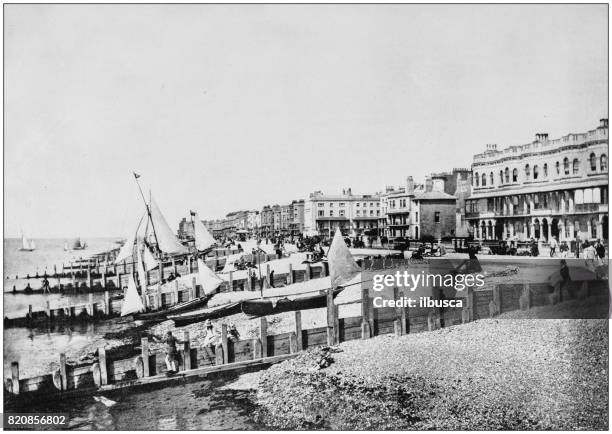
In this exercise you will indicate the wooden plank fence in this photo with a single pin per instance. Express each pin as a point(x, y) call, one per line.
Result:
point(132, 366)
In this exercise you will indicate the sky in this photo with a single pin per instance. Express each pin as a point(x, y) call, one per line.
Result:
point(228, 107)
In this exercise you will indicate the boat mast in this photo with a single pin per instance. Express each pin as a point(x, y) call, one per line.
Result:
point(147, 206)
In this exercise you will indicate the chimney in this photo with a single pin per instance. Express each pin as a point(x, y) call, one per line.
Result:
point(409, 185)
point(428, 184)
point(603, 123)
point(343, 191)
point(349, 192)
point(438, 183)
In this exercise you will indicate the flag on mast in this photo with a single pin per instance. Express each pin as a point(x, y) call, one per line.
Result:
point(342, 266)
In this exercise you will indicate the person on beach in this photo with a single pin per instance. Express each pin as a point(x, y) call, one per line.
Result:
point(534, 248)
point(171, 352)
point(211, 337)
point(600, 249)
point(272, 279)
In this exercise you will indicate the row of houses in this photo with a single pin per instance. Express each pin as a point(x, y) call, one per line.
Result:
point(543, 189)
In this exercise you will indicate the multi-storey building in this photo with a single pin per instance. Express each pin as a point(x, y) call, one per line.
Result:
point(292, 218)
point(355, 215)
point(546, 188)
point(427, 211)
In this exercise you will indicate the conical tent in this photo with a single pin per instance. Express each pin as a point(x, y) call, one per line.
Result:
point(209, 281)
point(131, 302)
point(166, 240)
point(342, 266)
point(203, 238)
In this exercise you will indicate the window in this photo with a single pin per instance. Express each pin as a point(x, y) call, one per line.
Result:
point(566, 166)
point(377, 212)
point(371, 203)
point(515, 175)
point(321, 204)
point(476, 178)
point(341, 204)
point(321, 213)
point(507, 173)
point(491, 178)
point(358, 212)
point(603, 162)
point(357, 205)
point(484, 180)
point(501, 177)
point(545, 168)
point(341, 213)
point(364, 204)
point(575, 166)
point(558, 168)
point(416, 215)
point(331, 212)
point(527, 172)
point(437, 217)
point(331, 204)
point(536, 171)
point(593, 160)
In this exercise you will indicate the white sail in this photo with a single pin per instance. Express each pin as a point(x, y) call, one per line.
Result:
point(166, 240)
point(203, 238)
point(131, 302)
point(149, 260)
point(127, 249)
point(32, 245)
point(142, 275)
point(209, 281)
point(66, 247)
point(25, 245)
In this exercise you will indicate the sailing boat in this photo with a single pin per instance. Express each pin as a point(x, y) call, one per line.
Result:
point(66, 247)
point(131, 302)
point(79, 245)
point(27, 245)
point(203, 239)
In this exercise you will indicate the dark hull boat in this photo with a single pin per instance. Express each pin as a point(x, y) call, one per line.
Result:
point(161, 315)
point(264, 307)
point(204, 314)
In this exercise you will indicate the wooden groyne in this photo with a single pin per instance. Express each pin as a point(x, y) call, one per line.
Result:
point(128, 367)
point(157, 296)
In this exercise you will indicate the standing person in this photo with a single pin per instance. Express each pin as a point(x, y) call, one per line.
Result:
point(272, 279)
point(45, 285)
point(553, 246)
point(534, 248)
point(171, 352)
point(253, 279)
point(600, 249)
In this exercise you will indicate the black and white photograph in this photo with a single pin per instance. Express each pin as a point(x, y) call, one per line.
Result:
point(290, 216)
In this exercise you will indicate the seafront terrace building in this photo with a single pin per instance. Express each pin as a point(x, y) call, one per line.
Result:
point(542, 189)
point(355, 214)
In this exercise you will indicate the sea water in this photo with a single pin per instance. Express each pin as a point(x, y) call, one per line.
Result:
point(37, 350)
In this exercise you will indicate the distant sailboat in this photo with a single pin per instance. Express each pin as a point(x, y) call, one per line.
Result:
point(27, 245)
point(66, 247)
point(79, 245)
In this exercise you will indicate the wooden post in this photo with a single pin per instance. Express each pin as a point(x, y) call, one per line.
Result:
point(144, 352)
point(194, 288)
point(219, 354)
point(73, 277)
point(403, 327)
point(15, 377)
point(62, 368)
point(249, 280)
point(331, 318)
point(256, 348)
point(158, 297)
point(397, 323)
point(161, 271)
point(290, 275)
point(174, 266)
point(366, 331)
point(91, 305)
point(48, 309)
point(175, 296)
point(308, 272)
point(104, 280)
point(231, 281)
point(95, 370)
point(293, 348)
point(263, 336)
point(298, 330)
point(525, 298)
point(186, 351)
point(224, 343)
point(107, 304)
point(103, 366)
point(497, 298)
point(29, 311)
point(267, 282)
point(124, 267)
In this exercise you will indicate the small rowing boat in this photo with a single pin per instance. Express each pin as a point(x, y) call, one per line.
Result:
point(263, 307)
point(183, 307)
point(204, 314)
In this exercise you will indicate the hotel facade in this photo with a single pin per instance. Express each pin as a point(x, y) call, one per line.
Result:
point(543, 189)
